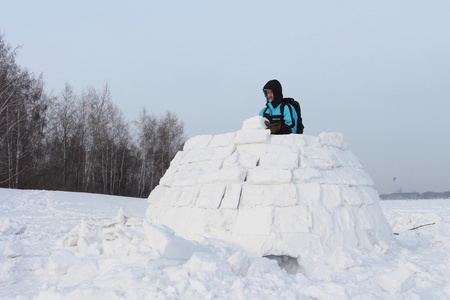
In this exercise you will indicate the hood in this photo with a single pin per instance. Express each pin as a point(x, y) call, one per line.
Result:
point(277, 91)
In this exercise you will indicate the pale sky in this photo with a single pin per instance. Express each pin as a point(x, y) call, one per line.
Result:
point(377, 71)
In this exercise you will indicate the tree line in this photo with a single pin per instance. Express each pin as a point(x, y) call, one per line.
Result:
point(79, 142)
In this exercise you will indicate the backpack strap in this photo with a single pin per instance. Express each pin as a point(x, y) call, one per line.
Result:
point(290, 111)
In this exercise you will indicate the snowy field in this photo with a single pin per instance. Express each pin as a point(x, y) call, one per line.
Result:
point(60, 245)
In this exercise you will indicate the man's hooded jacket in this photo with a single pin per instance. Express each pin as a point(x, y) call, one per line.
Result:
point(274, 112)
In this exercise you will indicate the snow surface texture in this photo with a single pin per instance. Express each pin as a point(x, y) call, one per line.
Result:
point(292, 195)
point(73, 248)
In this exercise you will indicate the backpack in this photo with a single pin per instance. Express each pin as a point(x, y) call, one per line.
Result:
point(296, 106)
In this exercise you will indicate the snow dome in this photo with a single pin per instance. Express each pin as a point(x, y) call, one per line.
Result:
point(294, 195)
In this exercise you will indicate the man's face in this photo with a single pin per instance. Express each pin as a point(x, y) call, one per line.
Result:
point(269, 94)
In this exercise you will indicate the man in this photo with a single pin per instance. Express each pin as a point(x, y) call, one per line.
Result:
point(281, 115)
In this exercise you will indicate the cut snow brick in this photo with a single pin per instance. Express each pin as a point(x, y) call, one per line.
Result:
point(291, 219)
point(252, 136)
point(210, 195)
point(307, 175)
point(247, 160)
point(196, 155)
point(254, 123)
point(223, 152)
point(331, 196)
point(334, 139)
point(254, 221)
point(188, 197)
point(276, 196)
point(287, 161)
point(222, 140)
point(197, 142)
point(274, 176)
point(232, 196)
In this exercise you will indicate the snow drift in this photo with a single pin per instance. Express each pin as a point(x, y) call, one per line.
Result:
point(292, 195)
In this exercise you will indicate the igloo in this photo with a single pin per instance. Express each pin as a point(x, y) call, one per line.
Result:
point(300, 196)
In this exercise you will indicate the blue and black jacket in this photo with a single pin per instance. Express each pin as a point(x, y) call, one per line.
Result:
point(278, 111)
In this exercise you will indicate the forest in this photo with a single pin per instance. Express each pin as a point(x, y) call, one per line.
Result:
point(78, 142)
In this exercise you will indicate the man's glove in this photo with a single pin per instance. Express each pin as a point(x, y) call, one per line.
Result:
point(274, 128)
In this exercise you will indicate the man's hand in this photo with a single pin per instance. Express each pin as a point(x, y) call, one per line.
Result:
point(274, 128)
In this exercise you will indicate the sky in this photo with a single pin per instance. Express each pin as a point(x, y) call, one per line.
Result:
point(377, 71)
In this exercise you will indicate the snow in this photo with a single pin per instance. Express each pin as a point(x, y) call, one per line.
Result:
point(298, 196)
point(89, 246)
point(242, 215)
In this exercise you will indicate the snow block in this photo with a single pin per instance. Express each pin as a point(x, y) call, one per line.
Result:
point(167, 244)
point(223, 152)
point(231, 174)
point(331, 196)
point(252, 136)
point(210, 195)
point(291, 219)
point(232, 196)
point(297, 140)
point(254, 123)
point(254, 221)
point(397, 281)
point(333, 139)
point(274, 176)
point(188, 197)
point(197, 142)
point(287, 161)
point(222, 140)
point(307, 175)
point(60, 261)
point(247, 160)
point(195, 155)
point(270, 196)
point(253, 149)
